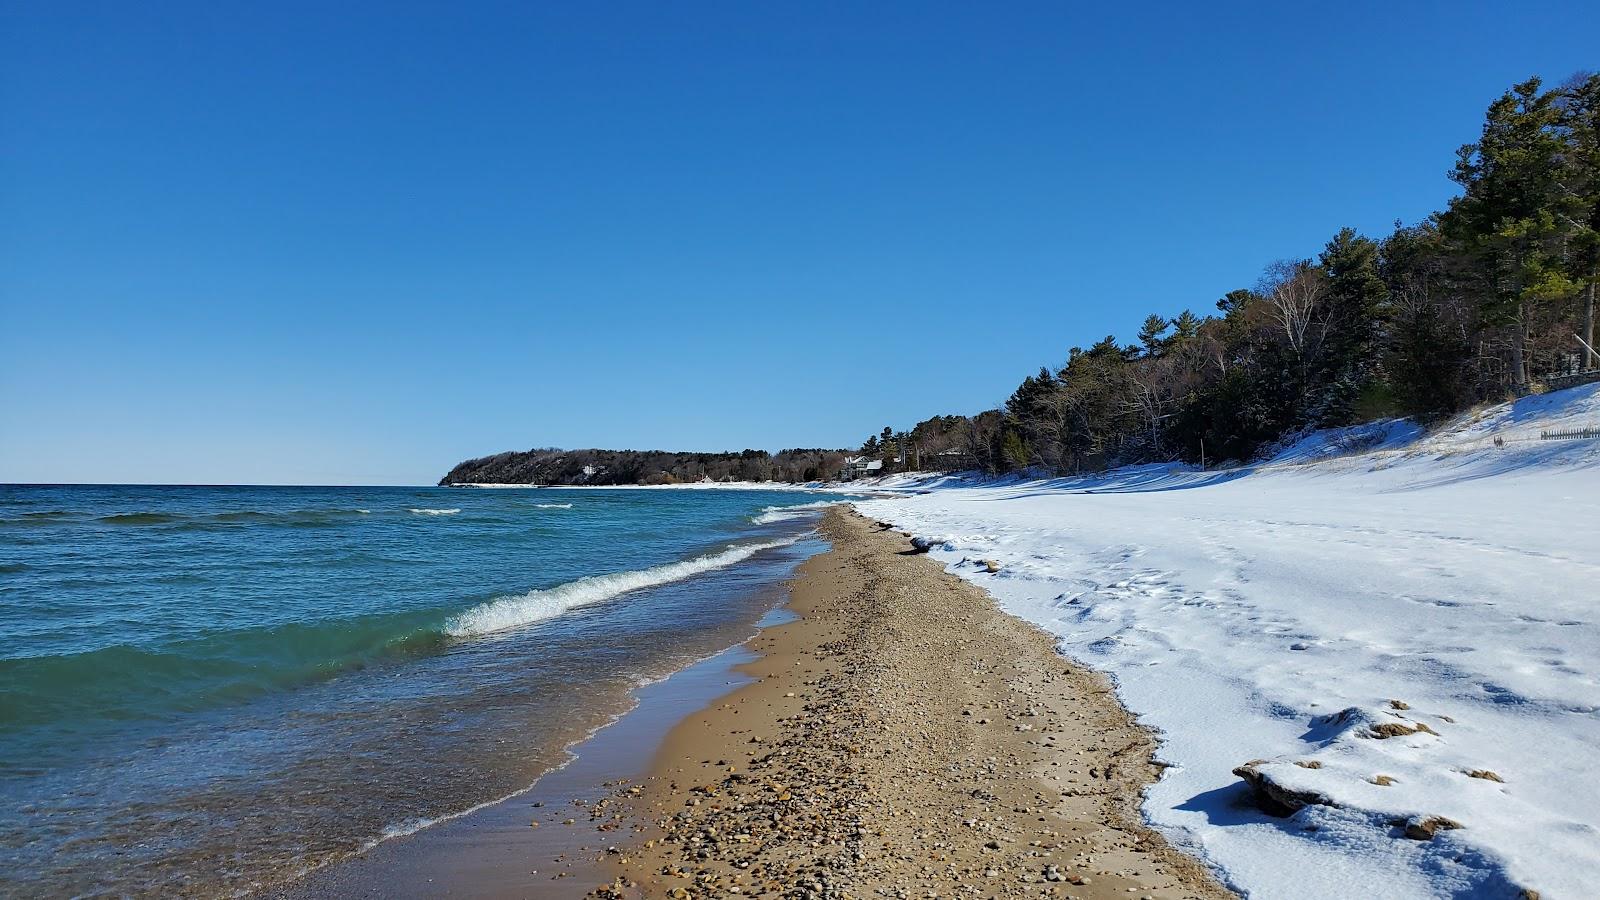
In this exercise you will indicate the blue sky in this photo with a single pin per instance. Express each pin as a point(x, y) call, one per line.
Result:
point(295, 243)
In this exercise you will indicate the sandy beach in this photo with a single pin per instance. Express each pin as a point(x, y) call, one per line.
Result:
point(903, 738)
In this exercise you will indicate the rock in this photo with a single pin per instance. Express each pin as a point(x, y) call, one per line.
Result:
point(1486, 775)
point(992, 565)
point(1425, 829)
point(1384, 730)
point(1273, 797)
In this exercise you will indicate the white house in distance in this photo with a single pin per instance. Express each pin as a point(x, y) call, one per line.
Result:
point(859, 466)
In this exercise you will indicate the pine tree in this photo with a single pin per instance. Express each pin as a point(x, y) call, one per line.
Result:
point(1506, 220)
point(1150, 334)
point(1355, 302)
point(1580, 183)
point(1185, 327)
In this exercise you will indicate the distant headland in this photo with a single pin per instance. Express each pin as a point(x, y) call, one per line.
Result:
point(555, 467)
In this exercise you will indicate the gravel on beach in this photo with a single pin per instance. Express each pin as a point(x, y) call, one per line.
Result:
point(904, 738)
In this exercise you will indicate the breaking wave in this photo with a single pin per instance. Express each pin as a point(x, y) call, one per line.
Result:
point(552, 506)
point(536, 606)
point(435, 512)
point(772, 514)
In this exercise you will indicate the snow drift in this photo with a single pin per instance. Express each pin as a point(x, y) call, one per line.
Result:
point(1391, 637)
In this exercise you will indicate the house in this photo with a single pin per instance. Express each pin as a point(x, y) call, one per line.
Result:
point(860, 467)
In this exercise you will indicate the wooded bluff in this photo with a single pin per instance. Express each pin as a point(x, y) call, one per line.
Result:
point(1491, 297)
point(551, 466)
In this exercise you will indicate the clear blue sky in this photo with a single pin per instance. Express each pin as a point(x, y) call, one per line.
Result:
point(322, 242)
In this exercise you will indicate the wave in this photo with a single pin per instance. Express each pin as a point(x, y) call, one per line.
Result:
point(772, 514)
point(435, 512)
point(139, 519)
point(536, 606)
point(552, 506)
point(49, 517)
point(127, 681)
point(296, 517)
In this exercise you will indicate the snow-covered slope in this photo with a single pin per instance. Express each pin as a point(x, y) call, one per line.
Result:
point(1403, 634)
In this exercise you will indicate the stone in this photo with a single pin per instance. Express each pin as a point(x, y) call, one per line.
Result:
point(1424, 829)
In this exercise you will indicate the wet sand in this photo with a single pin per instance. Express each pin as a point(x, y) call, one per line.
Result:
point(904, 738)
point(547, 842)
point(891, 733)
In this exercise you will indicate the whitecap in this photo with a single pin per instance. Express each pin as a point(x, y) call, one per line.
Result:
point(539, 605)
point(771, 514)
point(436, 512)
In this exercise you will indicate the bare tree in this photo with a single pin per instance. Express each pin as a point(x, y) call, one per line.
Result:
point(1294, 290)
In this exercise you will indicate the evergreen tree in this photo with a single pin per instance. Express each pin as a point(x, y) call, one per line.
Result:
point(1185, 327)
point(1580, 183)
point(1506, 220)
point(1356, 304)
point(1150, 334)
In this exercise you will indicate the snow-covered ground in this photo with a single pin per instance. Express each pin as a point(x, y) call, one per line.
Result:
point(1403, 627)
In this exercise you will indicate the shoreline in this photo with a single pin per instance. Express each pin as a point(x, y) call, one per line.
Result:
point(887, 731)
point(490, 850)
point(902, 735)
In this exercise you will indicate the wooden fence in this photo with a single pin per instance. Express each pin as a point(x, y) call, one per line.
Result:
point(1570, 434)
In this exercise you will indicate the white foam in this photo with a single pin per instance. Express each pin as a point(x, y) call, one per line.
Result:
point(436, 512)
point(772, 514)
point(552, 506)
point(537, 606)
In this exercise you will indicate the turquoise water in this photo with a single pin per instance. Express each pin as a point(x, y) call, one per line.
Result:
point(207, 689)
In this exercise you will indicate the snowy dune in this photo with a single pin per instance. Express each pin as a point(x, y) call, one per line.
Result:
point(1277, 612)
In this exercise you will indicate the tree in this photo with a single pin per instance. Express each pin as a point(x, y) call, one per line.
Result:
point(1473, 301)
point(888, 447)
point(1356, 298)
point(1506, 219)
point(1293, 290)
point(1150, 334)
point(1185, 327)
point(1579, 179)
point(1430, 348)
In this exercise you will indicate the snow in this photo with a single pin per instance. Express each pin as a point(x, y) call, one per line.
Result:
point(1273, 612)
point(810, 487)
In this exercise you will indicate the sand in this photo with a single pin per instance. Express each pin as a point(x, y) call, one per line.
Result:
point(903, 738)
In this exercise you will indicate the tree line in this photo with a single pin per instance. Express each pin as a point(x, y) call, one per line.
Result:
point(1489, 298)
point(554, 466)
point(1481, 301)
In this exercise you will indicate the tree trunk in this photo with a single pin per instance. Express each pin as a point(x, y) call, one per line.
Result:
point(1591, 359)
point(1519, 356)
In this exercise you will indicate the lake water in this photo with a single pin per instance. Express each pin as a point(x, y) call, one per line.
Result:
point(207, 690)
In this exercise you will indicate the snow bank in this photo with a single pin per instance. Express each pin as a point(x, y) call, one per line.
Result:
point(1397, 631)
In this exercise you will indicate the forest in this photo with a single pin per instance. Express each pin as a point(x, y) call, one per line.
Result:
point(553, 466)
point(1489, 298)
